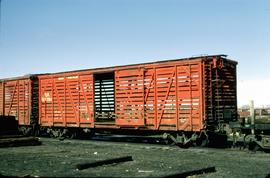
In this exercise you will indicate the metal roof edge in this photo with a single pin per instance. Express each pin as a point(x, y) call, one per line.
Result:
point(154, 62)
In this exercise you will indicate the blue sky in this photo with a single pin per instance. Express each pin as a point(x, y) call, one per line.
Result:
point(39, 36)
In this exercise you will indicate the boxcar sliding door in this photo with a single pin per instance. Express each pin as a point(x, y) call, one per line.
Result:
point(129, 97)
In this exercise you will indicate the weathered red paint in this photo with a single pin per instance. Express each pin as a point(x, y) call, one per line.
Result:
point(174, 95)
point(16, 98)
point(66, 100)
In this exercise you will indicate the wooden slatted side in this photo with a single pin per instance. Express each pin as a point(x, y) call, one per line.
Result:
point(45, 104)
point(173, 97)
point(24, 101)
point(86, 99)
point(176, 95)
point(189, 97)
point(17, 100)
point(67, 100)
point(71, 100)
point(150, 98)
point(129, 97)
point(165, 96)
point(161, 98)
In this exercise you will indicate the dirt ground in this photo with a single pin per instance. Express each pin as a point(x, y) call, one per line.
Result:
point(56, 158)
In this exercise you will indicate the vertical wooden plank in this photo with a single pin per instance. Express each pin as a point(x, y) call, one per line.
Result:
point(65, 101)
point(92, 114)
point(176, 98)
point(86, 101)
point(155, 96)
point(211, 89)
point(235, 94)
point(115, 86)
point(53, 91)
point(79, 100)
point(143, 78)
point(190, 96)
point(100, 94)
point(18, 102)
point(30, 86)
point(24, 100)
point(216, 97)
point(39, 101)
point(201, 91)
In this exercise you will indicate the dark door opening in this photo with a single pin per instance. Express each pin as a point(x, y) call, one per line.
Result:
point(104, 97)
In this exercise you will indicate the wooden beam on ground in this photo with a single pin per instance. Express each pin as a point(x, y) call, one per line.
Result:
point(11, 136)
point(193, 172)
point(19, 141)
point(103, 162)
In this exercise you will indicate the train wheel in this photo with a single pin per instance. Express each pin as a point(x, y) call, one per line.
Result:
point(66, 133)
point(168, 139)
point(71, 134)
point(169, 142)
point(55, 133)
point(87, 133)
point(248, 139)
point(202, 140)
point(253, 146)
point(26, 131)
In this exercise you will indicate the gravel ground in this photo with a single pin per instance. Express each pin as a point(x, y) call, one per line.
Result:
point(56, 158)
